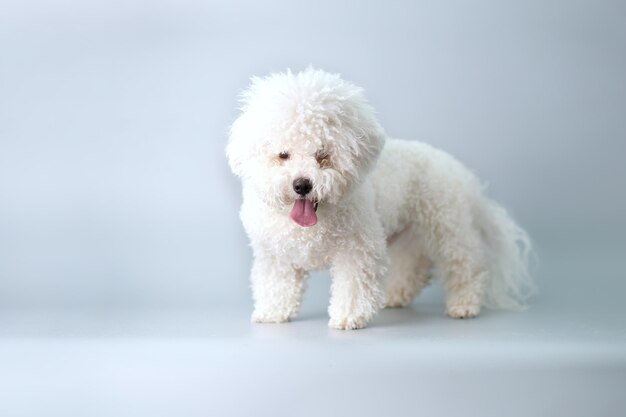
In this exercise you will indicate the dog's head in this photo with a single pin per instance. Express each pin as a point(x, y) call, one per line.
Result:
point(302, 140)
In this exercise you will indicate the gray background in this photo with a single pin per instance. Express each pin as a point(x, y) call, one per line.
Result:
point(114, 190)
point(123, 265)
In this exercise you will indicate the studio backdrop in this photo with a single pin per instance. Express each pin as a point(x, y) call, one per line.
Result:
point(114, 188)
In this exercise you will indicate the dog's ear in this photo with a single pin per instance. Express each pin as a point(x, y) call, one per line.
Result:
point(372, 139)
point(237, 149)
point(242, 131)
point(364, 136)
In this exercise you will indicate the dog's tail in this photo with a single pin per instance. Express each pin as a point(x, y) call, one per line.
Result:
point(509, 284)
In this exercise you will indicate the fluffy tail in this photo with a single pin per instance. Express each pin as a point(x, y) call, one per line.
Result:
point(509, 285)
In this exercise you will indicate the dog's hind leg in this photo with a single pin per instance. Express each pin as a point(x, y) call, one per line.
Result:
point(455, 247)
point(410, 269)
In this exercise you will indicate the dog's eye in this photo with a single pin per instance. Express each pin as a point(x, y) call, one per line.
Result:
point(283, 155)
point(323, 159)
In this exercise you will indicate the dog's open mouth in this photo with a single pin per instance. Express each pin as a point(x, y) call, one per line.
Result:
point(304, 212)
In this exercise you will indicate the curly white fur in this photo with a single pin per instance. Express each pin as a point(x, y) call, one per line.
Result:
point(390, 213)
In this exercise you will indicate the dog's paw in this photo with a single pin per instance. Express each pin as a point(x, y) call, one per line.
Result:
point(269, 316)
point(463, 311)
point(398, 299)
point(347, 323)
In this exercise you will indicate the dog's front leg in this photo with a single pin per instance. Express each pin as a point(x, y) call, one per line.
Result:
point(357, 291)
point(277, 289)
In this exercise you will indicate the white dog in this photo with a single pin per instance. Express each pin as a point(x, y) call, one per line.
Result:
point(323, 188)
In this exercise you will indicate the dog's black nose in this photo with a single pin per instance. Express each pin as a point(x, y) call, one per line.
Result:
point(302, 186)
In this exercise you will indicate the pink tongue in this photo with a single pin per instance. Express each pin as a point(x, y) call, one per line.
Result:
point(303, 213)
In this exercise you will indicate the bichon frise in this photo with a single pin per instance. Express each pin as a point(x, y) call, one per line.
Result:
point(324, 188)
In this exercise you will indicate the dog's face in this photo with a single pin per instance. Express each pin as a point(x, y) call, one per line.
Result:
point(303, 140)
